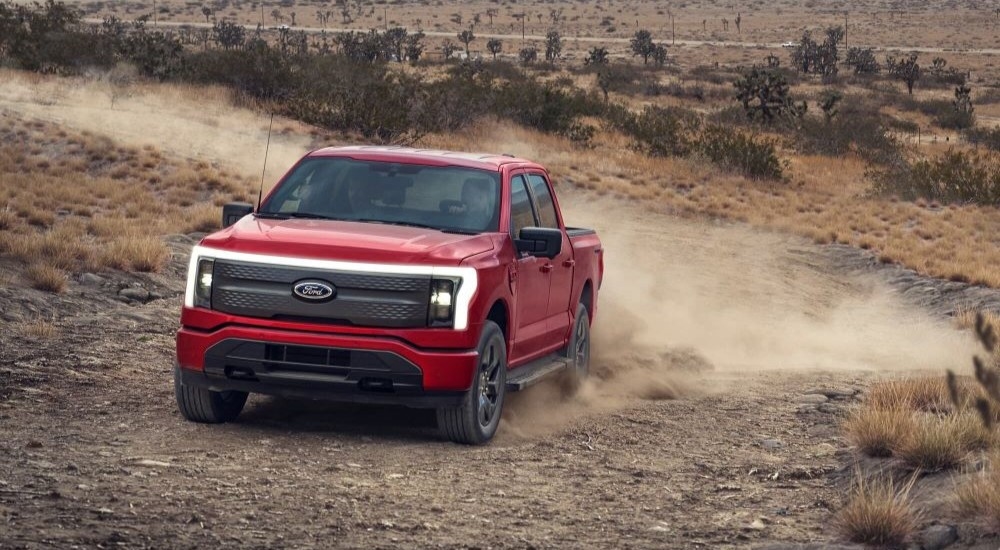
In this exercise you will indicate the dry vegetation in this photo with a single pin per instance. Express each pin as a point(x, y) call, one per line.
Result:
point(878, 512)
point(79, 202)
point(925, 426)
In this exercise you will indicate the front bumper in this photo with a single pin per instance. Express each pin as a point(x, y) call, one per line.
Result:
point(323, 365)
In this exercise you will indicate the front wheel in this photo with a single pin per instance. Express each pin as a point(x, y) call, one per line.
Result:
point(203, 405)
point(475, 421)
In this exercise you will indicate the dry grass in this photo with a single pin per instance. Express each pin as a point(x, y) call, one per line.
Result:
point(914, 419)
point(941, 443)
point(879, 432)
point(39, 329)
point(73, 202)
point(980, 497)
point(136, 253)
point(914, 394)
point(877, 512)
point(47, 278)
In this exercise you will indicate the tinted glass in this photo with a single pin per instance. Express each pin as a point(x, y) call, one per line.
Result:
point(463, 199)
point(521, 213)
point(543, 199)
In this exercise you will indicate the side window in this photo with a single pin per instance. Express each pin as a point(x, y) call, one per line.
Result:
point(521, 213)
point(543, 199)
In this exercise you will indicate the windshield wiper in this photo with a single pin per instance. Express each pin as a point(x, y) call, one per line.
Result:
point(299, 215)
point(420, 225)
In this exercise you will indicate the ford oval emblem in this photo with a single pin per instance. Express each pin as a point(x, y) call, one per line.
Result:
point(314, 291)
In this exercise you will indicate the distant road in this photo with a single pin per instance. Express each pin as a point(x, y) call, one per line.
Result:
point(590, 39)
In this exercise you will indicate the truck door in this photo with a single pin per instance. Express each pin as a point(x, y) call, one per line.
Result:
point(561, 276)
point(531, 288)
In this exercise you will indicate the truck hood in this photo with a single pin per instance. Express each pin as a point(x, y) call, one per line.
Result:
point(348, 241)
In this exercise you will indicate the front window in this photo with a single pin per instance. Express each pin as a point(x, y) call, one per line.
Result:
point(446, 198)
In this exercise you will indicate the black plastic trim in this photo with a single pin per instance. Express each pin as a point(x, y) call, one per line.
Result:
point(417, 400)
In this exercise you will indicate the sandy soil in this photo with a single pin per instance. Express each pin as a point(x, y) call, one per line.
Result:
point(703, 427)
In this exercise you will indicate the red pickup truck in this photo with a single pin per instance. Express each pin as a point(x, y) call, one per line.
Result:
point(390, 275)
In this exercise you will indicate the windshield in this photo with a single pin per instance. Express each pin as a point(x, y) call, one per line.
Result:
point(444, 198)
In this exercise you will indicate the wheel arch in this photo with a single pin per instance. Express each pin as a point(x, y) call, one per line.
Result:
point(499, 313)
point(587, 298)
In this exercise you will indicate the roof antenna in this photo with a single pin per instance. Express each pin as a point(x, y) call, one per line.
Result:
point(263, 170)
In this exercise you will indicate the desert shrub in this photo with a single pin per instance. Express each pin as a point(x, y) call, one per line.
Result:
point(954, 177)
point(659, 131)
point(980, 497)
point(858, 127)
point(688, 91)
point(985, 137)
point(879, 513)
point(748, 154)
point(940, 443)
point(47, 278)
point(732, 115)
point(625, 78)
point(711, 75)
point(879, 431)
point(988, 96)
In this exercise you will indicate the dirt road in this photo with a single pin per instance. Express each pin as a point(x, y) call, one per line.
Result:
point(582, 39)
point(706, 425)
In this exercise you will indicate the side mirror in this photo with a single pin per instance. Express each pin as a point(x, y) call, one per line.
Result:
point(544, 242)
point(234, 211)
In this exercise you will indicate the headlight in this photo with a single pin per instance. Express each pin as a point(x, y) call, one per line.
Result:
point(442, 302)
point(203, 283)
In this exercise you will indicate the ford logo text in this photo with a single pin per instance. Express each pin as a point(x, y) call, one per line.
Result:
point(314, 291)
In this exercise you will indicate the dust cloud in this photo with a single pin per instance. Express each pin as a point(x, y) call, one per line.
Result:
point(684, 302)
point(195, 123)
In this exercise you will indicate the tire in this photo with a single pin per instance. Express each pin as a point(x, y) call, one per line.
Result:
point(475, 421)
point(578, 351)
point(198, 404)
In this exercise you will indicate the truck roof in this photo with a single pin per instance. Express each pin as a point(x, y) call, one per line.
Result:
point(433, 157)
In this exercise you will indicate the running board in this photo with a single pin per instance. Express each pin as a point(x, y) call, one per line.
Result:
point(535, 371)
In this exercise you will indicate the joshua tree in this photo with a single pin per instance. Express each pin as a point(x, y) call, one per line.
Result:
point(448, 49)
point(466, 37)
point(738, 20)
point(597, 56)
point(528, 55)
point(395, 42)
point(765, 95)
point(660, 54)
point(276, 15)
point(494, 46)
point(207, 12)
point(862, 60)
point(553, 46)
point(292, 15)
point(491, 13)
point(828, 104)
point(725, 24)
point(414, 47)
point(228, 35)
point(907, 70)
point(604, 83)
point(642, 44)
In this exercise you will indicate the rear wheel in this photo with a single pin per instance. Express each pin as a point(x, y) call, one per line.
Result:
point(199, 404)
point(475, 421)
point(578, 351)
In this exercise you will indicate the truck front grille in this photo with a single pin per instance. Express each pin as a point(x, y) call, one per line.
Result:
point(362, 299)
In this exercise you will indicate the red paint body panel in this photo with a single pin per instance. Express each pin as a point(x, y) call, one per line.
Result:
point(445, 356)
point(443, 371)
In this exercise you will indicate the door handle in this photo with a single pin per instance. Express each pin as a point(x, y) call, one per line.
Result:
point(569, 263)
point(546, 268)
